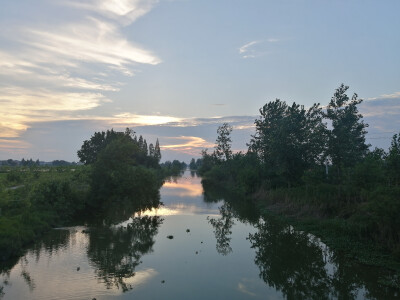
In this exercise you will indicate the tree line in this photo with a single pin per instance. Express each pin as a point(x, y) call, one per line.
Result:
point(119, 170)
point(316, 157)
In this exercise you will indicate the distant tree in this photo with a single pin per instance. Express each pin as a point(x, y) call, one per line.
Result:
point(223, 143)
point(11, 162)
point(157, 151)
point(199, 162)
point(151, 150)
point(145, 149)
point(140, 142)
point(60, 163)
point(192, 164)
point(346, 143)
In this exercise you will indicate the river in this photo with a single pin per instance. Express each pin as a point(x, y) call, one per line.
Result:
point(195, 246)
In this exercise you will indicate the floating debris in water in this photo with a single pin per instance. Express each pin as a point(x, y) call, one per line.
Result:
point(197, 252)
point(187, 230)
point(201, 242)
point(162, 281)
point(78, 268)
point(170, 237)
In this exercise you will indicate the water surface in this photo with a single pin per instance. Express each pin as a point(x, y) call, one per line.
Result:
point(196, 246)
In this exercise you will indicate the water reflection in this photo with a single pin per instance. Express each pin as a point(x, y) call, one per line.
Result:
point(301, 267)
point(292, 262)
point(184, 187)
point(223, 229)
point(115, 252)
point(110, 249)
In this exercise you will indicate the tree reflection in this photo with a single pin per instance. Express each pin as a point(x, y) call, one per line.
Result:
point(290, 262)
point(223, 229)
point(115, 252)
point(301, 267)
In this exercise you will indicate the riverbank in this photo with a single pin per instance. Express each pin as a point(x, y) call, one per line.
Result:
point(55, 197)
point(33, 200)
point(342, 236)
point(337, 225)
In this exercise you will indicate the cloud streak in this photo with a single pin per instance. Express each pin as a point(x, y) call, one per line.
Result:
point(123, 11)
point(50, 72)
point(255, 48)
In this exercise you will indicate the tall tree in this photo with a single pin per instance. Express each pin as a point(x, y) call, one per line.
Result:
point(145, 149)
point(140, 142)
point(151, 150)
point(157, 151)
point(223, 143)
point(288, 139)
point(346, 143)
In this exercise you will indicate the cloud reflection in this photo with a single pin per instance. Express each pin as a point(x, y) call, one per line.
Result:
point(184, 188)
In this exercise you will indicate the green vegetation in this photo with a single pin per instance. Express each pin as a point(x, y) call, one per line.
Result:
point(32, 200)
point(174, 168)
point(118, 169)
point(300, 167)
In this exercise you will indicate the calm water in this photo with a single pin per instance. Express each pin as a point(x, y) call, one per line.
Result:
point(218, 251)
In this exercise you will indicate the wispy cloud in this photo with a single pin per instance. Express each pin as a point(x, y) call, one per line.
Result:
point(256, 48)
point(188, 142)
point(91, 41)
point(245, 47)
point(123, 11)
point(50, 71)
point(395, 95)
point(143, 120)
point(11, 144)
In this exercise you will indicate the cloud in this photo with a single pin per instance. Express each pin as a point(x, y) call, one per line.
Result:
point(51, 72)
point(123, 11)
point(91, 41)
point(21, 107)
point(245, 47)
point(143, 120)
point(256, 48)
point(11, 144)
point(188, 143)
point(395, 95)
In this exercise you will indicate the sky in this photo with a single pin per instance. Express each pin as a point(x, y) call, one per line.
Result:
point(177, 69)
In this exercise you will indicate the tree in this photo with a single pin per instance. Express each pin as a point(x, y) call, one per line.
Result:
point(223, 143)
point(145, 149)
point(98, 141)
point(346, 142)
point(151, 150)
point(116, 174)
point(393, 160)
point(288, 140)
point(157, 151)
point(192, 164)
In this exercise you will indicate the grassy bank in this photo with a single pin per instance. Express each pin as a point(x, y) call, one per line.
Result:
point(33, 200)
